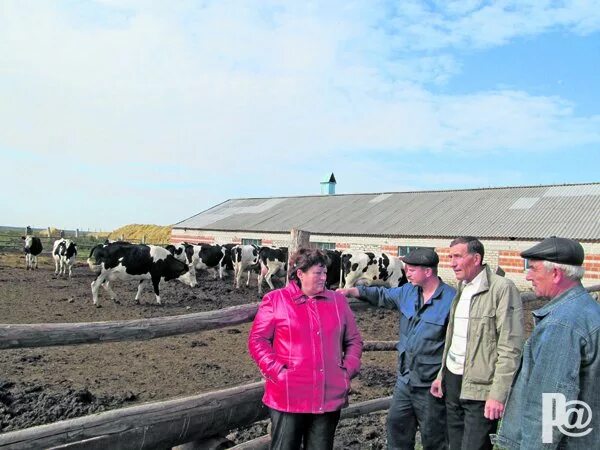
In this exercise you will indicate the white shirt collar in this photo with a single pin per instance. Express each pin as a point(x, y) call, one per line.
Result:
point(475, 283)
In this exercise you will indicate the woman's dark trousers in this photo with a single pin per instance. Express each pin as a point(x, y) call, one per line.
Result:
point(290, 430)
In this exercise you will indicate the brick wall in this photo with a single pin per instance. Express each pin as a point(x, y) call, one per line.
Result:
point(511, 261)
point(591, 264)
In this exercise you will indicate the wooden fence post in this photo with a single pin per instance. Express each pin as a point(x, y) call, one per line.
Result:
point(300, 239)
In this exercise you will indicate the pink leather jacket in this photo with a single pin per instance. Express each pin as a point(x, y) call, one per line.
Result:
point(308, 349)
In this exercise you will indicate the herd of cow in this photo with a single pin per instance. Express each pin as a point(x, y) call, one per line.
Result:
point(149, 264)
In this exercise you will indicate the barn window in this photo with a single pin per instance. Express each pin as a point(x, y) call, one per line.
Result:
point(325, 245)
point(251, 241)
point(404, 250)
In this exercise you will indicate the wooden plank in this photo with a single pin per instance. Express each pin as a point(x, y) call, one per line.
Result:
point(149, 426)
point(367, 407)
point(55, 334)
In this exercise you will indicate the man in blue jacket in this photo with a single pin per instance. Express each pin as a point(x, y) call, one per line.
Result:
point(424, 305)
point(557, 383)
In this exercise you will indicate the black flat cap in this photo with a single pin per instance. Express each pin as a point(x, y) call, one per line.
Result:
point(558, 250)
point(422, 257)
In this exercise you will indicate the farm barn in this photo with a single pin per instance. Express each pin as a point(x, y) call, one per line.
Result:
point(507, 220)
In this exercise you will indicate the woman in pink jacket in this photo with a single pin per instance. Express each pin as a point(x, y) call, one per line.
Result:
point(306, 344)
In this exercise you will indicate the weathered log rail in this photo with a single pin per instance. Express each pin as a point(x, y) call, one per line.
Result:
point(57, 334)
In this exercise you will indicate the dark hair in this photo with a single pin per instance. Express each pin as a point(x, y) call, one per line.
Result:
point(304, 259)
point(474, 245)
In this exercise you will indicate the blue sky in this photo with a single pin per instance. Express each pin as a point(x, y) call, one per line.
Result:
point(123, 111)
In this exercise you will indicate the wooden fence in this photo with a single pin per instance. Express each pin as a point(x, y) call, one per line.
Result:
point(158, 424)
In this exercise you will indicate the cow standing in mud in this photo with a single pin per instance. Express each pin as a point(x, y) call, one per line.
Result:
point(273, 262)
point(64, 252)
point(147, 263)
point(245, 259)
point(32, 248)
point(201, 257)
point(369, 268)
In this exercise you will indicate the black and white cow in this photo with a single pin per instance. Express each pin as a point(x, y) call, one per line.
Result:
point(124, 261)
point(333, 268)
point(273, 261)
point(211, 256)
point(64, 252)
point(370, 268)
point(244, 258)
point(227, 262)
point(183, 252)
point(202, 256)
point(32, 248)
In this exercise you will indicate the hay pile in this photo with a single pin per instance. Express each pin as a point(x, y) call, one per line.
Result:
point(154, 234)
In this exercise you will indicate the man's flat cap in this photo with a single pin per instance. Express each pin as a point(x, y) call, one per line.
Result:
point(422, 257)
point(558, 250)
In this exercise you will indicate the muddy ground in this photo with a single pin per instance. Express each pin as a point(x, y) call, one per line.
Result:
point(43, 385)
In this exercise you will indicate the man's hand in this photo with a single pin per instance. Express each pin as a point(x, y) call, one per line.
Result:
point(436, 389)
point(493, 409)
point(352, 292)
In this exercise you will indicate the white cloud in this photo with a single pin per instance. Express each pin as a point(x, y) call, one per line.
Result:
point(223, 86)
point(235, 78)
point(481, 24)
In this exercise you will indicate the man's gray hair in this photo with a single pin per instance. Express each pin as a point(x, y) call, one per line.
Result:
point(574, 273)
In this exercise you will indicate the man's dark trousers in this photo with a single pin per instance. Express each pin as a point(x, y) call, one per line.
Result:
point(468, 429)
point(411, 408)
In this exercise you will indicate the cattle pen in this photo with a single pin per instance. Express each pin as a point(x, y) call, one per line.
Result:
point(195, 421)
point(199, 421)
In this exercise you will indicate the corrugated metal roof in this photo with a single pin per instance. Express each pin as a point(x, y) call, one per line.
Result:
point(528, 212)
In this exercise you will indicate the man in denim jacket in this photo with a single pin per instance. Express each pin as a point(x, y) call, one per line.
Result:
point(560, 368)
point(424, 305)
